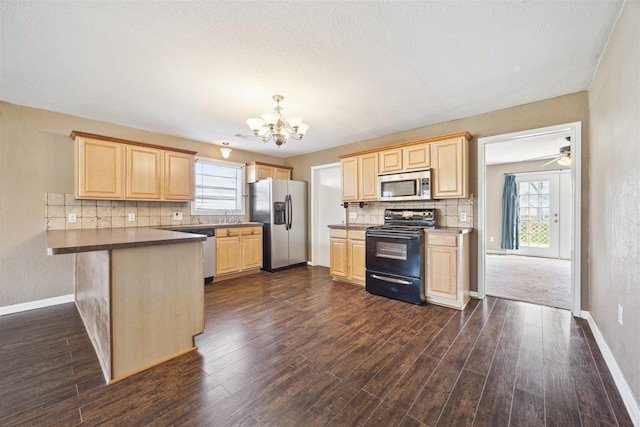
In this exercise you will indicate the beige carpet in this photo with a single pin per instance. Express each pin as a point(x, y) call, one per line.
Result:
point(541, 281)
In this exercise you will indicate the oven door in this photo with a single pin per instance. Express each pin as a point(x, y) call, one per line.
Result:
point(395, 253)
point(408, 289)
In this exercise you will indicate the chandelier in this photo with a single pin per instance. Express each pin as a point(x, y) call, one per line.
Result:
point(273, 126)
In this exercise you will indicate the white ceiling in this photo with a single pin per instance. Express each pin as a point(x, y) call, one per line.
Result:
point(353, 70)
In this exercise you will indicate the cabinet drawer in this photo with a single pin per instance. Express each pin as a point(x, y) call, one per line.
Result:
point(247, 231)
point(338, 233)
point(442, 240)
point(356, 234)
point(228, 232)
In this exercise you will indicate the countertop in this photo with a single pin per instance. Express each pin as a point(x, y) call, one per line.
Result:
point(209, 226)
point(88, 240)
point(449, 230)
point(351, 226)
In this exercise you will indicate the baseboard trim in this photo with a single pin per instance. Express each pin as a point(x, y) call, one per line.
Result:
point(32, 305)
point(473, 294)
point(622, 384)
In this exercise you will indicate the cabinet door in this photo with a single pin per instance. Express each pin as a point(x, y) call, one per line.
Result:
point(179, 182)
point(442, 268)
point(390, 160)
point(349, 169)
point(144, 173)
point(99, 169)
point(251, 248)
point(263, 172)
point(450, 164)
point(417, 156)
point(282, 173)
point(227, 254)
point(338, 265)
point(357, 260)
point(368, 177)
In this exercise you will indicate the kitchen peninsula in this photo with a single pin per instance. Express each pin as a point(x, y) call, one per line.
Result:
point(139, 292)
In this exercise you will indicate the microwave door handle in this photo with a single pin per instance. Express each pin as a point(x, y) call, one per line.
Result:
point(391, 279)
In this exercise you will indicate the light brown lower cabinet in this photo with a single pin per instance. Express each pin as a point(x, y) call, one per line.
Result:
point(141, 306)
point(348, 255)
point(238, 251)
point(448, 269)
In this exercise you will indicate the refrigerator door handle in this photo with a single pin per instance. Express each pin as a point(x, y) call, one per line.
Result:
point(287, 212)
point(290, 212)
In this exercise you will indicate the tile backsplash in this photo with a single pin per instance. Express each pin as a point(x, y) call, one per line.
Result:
point(447, 211)
point(115, 213)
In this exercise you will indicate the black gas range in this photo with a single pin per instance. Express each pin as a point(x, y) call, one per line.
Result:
point(395, 258)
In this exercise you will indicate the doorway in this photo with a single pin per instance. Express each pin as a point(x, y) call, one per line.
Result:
point(326, 209)
point(527, 145)
point(545, 214)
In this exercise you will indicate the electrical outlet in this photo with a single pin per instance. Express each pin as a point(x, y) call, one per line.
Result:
point(463, 216)
point(72, 218)
point(177, 216)
point(132, 217)
point(620, 314)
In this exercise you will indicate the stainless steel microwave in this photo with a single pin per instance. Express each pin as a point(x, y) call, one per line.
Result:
point(405, 186)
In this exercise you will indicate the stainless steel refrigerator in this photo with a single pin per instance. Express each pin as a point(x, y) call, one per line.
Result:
point(281, 205)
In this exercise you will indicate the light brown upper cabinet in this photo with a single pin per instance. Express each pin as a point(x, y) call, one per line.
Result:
point(368, 177)
point(258, 170)
point(99, 169)
point(359, 177)
point(450, 164)
point(417, 156)
point(117, 169)
point(412, 157)
point(179, 181)
point(447, 156)
point(390, 160)
point(143, 173)
point(349, 169)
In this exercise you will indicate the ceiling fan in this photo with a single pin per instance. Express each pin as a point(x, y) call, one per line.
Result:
point(563, 158)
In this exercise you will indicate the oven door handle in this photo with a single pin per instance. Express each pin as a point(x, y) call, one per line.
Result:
point(392, 235)
point(392, 280)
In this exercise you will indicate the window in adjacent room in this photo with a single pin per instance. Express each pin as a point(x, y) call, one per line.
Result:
point(219, 188)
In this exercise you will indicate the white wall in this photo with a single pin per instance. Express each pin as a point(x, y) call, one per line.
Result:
point(614, 104)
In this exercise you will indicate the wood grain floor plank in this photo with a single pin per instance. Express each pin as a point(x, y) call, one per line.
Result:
point(479, 360)
point(460, 409)
point(527, 409)
point(295, 348)
point(613, 395)
point(495, 404)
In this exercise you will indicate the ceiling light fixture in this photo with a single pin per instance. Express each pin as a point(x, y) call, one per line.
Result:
point(226, 151)
point(273, 126)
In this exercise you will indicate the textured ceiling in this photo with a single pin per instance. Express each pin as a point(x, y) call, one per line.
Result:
point(353, 70)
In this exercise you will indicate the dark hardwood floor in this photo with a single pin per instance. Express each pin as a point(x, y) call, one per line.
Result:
point(294, 348)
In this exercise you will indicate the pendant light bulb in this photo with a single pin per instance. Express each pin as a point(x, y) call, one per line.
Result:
point(226, 151)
